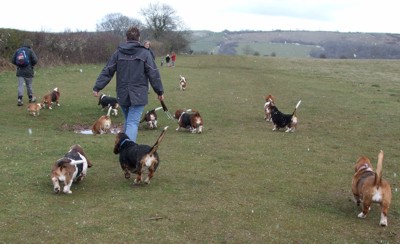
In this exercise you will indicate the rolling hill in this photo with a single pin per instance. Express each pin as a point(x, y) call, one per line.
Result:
point(318, 44)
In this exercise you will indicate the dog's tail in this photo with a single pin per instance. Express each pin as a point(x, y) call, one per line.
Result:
point(297, 105)
point(109, 111)
point(378, 174)
point(155, 146)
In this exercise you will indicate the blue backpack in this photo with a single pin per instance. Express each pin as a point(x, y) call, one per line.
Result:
point(22, 58)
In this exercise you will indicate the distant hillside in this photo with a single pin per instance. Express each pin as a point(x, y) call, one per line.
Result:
point(317, 44)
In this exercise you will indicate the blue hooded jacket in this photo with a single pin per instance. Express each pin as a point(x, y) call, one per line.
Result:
point(135, 68)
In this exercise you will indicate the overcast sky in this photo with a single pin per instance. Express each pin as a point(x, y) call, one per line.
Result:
point(234, 15)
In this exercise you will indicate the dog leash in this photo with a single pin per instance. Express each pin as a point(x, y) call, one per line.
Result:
point(169, 116)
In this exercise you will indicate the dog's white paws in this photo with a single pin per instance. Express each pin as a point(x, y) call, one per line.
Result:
point(383, 221)
point(68, 191)
point(361, 215)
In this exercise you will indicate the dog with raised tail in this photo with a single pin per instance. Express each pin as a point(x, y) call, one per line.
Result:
point(369, 187)
point(50, 98)
point(150, 117)
point(103, 124)
point(138, 159)
point(190, 120)
point(108, 101)
point(182, 83)
point(70, 168)
point(281, 120)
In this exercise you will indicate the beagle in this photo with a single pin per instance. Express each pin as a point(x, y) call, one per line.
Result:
point(151, 118)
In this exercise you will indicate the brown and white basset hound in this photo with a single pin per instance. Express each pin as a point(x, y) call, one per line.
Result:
point(103, 124)
point(190, 120)
point(269, 101)
point(182, 83)
point(51, 97)
point(70, 168)
point(34, 108)
point(369, 187)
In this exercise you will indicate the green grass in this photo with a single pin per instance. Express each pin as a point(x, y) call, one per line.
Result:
point(238, 182)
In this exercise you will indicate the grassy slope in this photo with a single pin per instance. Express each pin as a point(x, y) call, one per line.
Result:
point(238, 182)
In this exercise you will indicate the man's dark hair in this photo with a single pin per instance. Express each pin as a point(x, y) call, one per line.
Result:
point(133, 34)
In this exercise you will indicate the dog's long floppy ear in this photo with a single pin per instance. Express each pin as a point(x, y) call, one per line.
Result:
point(117, 143)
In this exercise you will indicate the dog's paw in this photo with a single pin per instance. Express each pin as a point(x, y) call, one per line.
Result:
point(383, 221)
point(147, 180)
point(67, 191)
point(362, 215)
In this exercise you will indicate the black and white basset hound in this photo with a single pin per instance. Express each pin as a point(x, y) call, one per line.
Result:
point(108, 101)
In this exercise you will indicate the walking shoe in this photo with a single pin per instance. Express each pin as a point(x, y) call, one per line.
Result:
point(32, 100)
point(20, 103)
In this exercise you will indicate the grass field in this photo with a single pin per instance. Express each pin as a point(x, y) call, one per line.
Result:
point(238, 182)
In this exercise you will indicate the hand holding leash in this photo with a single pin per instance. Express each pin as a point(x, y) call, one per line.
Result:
point(169, 116)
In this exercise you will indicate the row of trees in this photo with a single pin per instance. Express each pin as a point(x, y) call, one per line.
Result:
point(162, 26)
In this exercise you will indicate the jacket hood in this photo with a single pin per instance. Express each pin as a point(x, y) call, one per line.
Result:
point(129, 47)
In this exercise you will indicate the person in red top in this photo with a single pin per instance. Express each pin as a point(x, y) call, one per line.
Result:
point(173, 59)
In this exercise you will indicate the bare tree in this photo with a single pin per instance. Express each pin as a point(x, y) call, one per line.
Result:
point(161, 18)
point(117, 23)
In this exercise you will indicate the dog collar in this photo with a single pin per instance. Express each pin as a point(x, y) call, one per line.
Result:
point(366, 167)
point(122, 143)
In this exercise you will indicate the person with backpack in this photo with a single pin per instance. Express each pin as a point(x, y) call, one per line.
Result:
point(25, 59)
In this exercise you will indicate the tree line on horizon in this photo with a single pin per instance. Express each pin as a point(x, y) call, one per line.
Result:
point(163, 28)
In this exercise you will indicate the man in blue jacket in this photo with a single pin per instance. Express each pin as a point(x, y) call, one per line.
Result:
point(135, 68)
point(27, 60)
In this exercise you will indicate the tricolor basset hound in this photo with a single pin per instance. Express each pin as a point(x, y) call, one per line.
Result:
point(281, 120)
point(150, 117)
point(70, 168)
point(51, 97)
point(190, 120)
point(137, 159)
